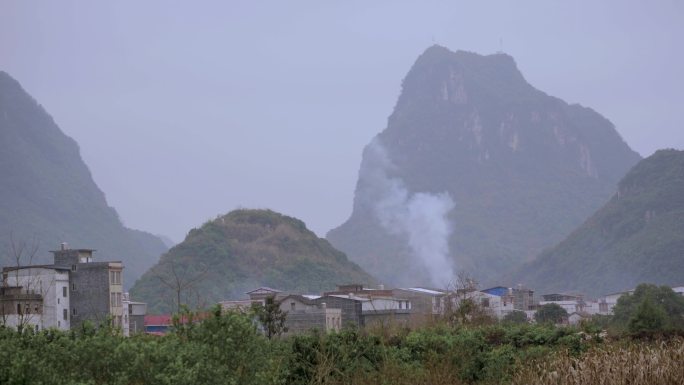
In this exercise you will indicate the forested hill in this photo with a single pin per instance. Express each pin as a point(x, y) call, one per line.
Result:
point(638, 236)
point(511, 169)
point(47, 193)
point(240, 251)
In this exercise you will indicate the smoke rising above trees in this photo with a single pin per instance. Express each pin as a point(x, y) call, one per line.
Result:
point(420, 217)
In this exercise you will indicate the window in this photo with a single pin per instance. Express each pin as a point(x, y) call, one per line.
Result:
point(73, 287)
point(73, 311)
point(401, 304)
point(65, 314)
point(19, 309)
point(115, 299)
point(292, 305)
point(115, 277)
point(73, 267)
point(57, 301)
point(64, 291)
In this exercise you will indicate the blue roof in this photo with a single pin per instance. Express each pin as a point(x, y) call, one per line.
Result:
point(497, 290)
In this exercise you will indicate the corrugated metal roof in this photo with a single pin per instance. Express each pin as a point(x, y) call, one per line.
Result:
point(265, 288)
point(355, 298)
point(426, 291)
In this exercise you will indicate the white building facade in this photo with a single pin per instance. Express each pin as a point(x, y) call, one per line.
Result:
point(52, 285)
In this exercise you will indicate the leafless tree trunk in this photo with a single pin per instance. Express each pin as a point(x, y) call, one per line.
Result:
point(181, 281)
point(459, 306)
point(22, 253)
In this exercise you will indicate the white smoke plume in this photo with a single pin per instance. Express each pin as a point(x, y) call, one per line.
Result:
point(420, 217)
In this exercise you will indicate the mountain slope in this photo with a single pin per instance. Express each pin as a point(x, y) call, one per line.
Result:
point(476, 171)
point(240, 251)
point(48, 195)
point(638, 236)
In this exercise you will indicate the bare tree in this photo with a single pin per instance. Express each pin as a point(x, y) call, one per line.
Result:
point(29, 290)
point(181, 281)
point(462, 304)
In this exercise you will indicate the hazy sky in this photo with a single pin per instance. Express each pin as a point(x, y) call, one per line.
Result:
point(187, 111)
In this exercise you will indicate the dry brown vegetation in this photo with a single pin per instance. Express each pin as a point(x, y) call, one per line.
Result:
point(634, 364)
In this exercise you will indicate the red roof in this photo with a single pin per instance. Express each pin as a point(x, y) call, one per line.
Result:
point(163, 319)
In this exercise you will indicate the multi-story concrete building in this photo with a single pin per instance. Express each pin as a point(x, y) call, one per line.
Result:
point(47, 285)
point(71, 291)
point(96, 287)
point(133, 320)
point(426, 304)
point(570, 302)
point(351, 307)
point(20, 308)
point(305, 314)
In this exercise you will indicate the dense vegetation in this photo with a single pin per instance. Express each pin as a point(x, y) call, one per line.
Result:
point(47, 194)
point(460, 348)
point(228, 349)
point(523, 168)
point(240, 251)
point(638, 236)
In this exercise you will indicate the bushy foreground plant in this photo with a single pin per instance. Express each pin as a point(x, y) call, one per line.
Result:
point(229, 349)
point(223, 349)
point(650, 312)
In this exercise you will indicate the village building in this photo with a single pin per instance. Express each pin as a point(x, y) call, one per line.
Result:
point(570, 302)
point(425, 303)
point(36, 295)
point(73, 290)
point(134, 316)
point(305, 314)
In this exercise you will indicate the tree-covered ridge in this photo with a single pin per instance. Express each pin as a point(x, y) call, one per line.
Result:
point(522, 168)
point(638, 236)
point(240, 251)
point(48, 195)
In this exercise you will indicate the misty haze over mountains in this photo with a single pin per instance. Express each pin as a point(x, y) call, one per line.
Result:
point(476, 169)
point(47, 195)
point(509, 169)
point(476, 172)
point(637, 236)
point(170, 101)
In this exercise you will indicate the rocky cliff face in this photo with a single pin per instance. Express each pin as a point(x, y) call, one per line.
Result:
point(638, 236)
point(48, 195)
point(476, 171)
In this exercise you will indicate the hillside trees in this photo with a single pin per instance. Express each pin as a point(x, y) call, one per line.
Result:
point(650, 310)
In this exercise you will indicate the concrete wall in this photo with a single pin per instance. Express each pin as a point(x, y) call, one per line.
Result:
point(421, 302)
point(386, 318)
point(351, 309)
point(50, 284)
point(90, 293)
